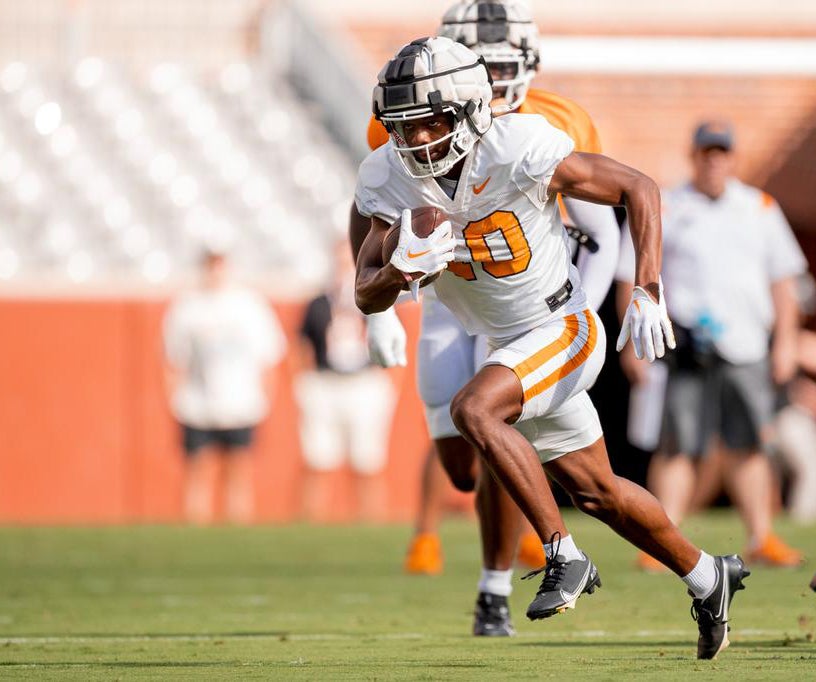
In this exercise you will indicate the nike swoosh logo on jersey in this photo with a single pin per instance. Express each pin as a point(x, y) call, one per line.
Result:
point(477, 189)
point(417, 255)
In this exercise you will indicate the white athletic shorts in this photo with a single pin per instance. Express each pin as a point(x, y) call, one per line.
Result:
point(556, 363)
point(447, 358)
point(345, 414)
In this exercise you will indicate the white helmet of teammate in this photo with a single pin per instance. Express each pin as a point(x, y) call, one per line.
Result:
point(504, 33)
point(427, 77)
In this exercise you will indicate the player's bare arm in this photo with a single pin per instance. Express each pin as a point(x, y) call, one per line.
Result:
point(601, 180)
point(378, 284)
point(359, 227)
point(416, 258)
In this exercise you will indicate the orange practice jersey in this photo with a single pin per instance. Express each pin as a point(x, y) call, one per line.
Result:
point(561, 112)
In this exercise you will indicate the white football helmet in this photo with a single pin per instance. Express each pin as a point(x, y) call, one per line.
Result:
point(433, 76)
point(504, 33)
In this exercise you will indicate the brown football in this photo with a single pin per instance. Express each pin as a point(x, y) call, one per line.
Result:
point(424, 220)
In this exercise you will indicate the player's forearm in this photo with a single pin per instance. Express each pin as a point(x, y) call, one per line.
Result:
point(642, 201)
point(602, 180)
point(377, 288)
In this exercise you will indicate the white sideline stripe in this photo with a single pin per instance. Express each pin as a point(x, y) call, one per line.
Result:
point(327, 637)
point(678, 55)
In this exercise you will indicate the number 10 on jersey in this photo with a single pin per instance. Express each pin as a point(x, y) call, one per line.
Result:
point(497, 242)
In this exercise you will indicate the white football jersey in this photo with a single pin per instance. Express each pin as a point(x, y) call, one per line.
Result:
point(503, 212)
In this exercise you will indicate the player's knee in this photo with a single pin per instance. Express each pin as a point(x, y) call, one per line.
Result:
point(469, 415)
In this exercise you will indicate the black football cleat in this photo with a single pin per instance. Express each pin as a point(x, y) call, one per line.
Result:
point(813, 583)
point(712, 612)
point(492, 616)
point(564, 581)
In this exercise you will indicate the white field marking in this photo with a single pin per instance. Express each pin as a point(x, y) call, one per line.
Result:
point(327, 637)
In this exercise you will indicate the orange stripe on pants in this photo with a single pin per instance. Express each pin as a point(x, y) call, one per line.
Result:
point(570, 365)
point(571, 329)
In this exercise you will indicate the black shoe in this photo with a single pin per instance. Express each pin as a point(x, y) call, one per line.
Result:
point(813, 583)
point(711, 613)
point(564, 581)
point(492, 616)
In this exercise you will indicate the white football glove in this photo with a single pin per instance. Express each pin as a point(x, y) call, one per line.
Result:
point(429, 255)
point(386, 339)
point(648, 324)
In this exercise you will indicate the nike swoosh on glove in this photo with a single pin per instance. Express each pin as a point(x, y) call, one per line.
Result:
point(648, 324)
point(386, 339)
point(425, 255)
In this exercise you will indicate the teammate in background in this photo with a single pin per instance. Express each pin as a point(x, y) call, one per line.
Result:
point(345, 404)
point(514, 283)
point(505, 35)
point(221, 343)
point(731, 263)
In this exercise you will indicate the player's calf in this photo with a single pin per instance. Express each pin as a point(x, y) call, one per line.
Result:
point(601, 501)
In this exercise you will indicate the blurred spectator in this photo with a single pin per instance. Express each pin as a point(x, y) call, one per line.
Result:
point(729, 266)
point(221, 342)
point(346, 404)
point(796, 433)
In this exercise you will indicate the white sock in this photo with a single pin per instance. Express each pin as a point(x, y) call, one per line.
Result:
point(566, 549)
point(703, 577)
point(496, 582)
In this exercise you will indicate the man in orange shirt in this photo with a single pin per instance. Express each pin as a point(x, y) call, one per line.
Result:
point(504, 34)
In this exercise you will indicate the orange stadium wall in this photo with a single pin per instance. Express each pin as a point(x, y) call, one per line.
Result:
point(86, 435)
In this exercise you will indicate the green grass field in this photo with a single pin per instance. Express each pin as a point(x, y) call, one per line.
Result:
point(300, 602)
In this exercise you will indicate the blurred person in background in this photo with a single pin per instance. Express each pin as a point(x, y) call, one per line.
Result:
point(503, 32)
point(730, 260)
point(795, 433)
point(345, 403)
point(222, 342)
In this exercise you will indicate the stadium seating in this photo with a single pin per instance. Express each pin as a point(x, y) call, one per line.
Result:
point(105, 175)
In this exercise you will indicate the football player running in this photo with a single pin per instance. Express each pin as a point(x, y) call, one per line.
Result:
point(512, 281)
point(504, 33)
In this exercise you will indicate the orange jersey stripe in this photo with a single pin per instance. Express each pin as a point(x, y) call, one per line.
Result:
point(571, 365)
point(571, 329)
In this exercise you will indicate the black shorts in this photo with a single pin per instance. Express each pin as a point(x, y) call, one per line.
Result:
point(229, 439)
point(733, 401)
